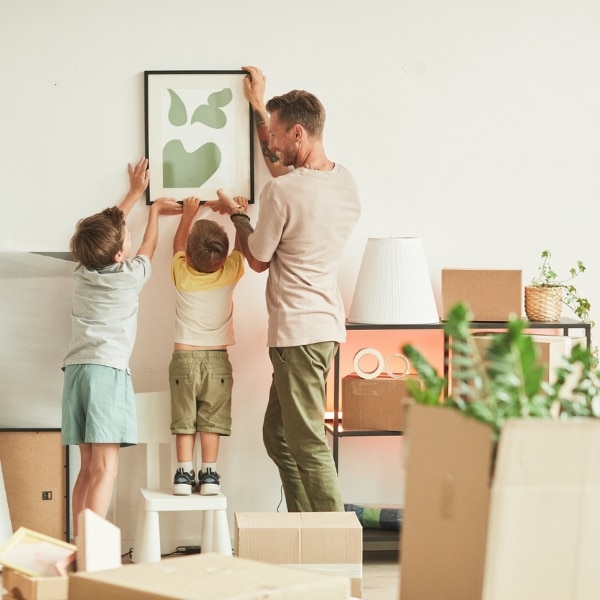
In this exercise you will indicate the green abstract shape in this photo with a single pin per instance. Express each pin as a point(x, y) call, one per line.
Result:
point(177, 111)
point(183, 169)
point(210, 114)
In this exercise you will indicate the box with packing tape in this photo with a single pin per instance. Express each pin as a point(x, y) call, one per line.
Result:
point(326, 542)
point(375, 404)
point(491, 294)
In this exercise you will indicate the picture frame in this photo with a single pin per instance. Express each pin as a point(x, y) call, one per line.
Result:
point(36, 554)
point(198, 134)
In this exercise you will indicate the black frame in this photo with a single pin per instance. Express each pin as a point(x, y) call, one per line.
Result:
point(237, 158)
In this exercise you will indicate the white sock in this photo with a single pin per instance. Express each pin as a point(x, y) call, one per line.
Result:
point(211, 466)
point(187, 466)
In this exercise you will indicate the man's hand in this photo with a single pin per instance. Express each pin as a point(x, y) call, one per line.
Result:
point(225, 203)
point(254, 87)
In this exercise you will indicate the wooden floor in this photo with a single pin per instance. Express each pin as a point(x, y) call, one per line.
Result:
point(381, 576)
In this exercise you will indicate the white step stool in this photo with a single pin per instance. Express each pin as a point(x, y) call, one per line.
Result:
point(215, 530)
point(154, 419)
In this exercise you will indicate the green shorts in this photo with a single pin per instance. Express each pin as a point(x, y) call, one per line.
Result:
point(98, 406)
point(201, 382)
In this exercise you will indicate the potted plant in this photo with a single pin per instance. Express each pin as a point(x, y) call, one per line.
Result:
point(546, 293)
point(507, 382)
point(502, 470)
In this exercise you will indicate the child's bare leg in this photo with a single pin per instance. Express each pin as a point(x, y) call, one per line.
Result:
point(209, 443)
point(103, 471)
point(82, 483)
point(184, 444)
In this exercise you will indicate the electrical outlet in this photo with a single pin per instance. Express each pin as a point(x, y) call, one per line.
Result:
point(46, 495)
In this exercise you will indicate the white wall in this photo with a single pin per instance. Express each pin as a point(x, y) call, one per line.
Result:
point(472, 124)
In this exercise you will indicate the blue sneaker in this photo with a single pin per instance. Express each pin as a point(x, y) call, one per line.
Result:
point(183, 482)
point(209, 483)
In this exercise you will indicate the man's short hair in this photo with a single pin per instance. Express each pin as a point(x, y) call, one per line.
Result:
point(299, 106)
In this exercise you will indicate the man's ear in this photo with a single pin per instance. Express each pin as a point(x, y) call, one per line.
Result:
point(297, 132)
point(118, 257)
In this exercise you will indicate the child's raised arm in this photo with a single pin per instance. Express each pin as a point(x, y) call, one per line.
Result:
point(139, 177)
point(190, 210)
point(162, 206)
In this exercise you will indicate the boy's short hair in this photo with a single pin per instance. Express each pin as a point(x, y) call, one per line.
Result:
point(300, 107)
point(207, 246)
point(97, 239)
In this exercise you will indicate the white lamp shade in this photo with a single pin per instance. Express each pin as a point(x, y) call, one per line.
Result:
point(393, 286)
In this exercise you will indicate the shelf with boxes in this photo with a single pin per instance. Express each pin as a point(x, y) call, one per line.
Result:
point(550, 346)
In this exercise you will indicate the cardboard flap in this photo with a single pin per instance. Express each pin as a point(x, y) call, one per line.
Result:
point(448, 463)
point(544, 514)
point(535, 452)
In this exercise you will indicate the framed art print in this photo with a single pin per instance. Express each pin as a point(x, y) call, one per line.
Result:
point(36, 554)
point(199, 134)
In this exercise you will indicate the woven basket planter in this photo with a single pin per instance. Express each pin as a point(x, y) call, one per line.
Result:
point(543, 303)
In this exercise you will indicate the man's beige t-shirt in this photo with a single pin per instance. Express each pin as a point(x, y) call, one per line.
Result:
point(305, 220)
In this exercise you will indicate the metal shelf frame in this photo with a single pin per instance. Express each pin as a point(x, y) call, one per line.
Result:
point(335, 428)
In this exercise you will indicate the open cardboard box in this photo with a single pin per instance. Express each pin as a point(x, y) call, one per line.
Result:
point(36, 566)
point(20, 586)
point(521, 527)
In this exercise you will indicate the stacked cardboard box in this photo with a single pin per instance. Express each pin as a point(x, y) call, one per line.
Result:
point(491, 294)
point(327, 542)
point(522, 525)
point(376, 404)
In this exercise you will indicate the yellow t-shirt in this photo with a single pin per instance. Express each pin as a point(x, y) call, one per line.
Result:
point(204, 301)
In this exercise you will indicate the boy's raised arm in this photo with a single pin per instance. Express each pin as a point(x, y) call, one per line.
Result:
point(190, 210)
point(162, 206)
point(139, 177)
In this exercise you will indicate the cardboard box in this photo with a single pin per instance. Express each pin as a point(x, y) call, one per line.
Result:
point(24, 587)
point(491, 294)
point(552, 349)
point(532, 532)
point(374, 403)
point(327, 542)
point(207, 576)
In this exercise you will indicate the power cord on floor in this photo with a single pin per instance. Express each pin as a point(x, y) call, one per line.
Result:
point(183, 550)
point(180, 550)
point(280, 498)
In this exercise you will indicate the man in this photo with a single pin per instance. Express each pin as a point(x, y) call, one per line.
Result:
point(306, 215)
